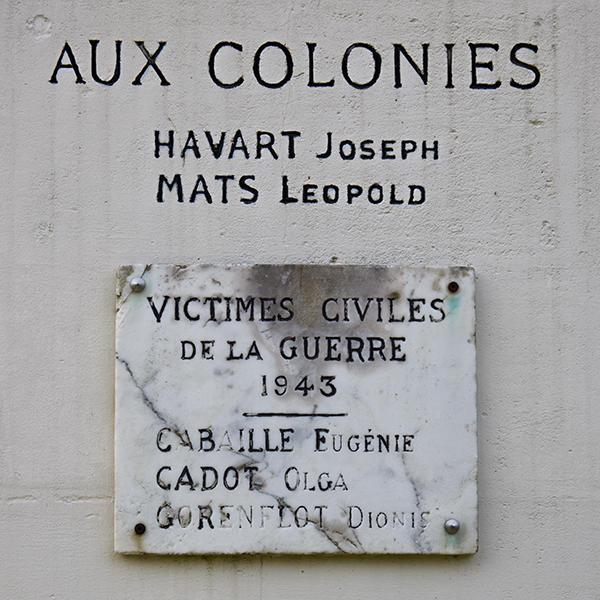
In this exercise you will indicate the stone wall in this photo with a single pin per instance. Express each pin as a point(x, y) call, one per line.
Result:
point(492, 149)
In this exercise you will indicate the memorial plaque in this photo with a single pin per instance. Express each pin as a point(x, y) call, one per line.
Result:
point(295, 409)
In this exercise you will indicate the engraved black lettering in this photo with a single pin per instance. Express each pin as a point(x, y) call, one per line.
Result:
point(231, 483)
point(288, 62)
point(206, 347)
point(265, 308)
point(185, 479)
point(216, 149)
point(355, 346)
point(248, 515)
point(328, 197)
point(327, 314)
point(205, 515)
point(315, 353)
point(434, 305)
point(159, 442)
point(327, 152)
point(150, 62)
point(286, 351)
point(158, 313)
point(285, 192)
point(387, 149)
point(164, 516)
point(211, 65)
point(291, 136)
point(268, 447)
point(360, 312)
point(287, 309)
point(224, 179)
point(211, 302)
point(285, 438)
point(355, 517)
point(320, 440)
point(159, 481)
point(519, 63)
point(366, 150)
point(191, 143)
point(252, 485)
point(247, 306)
point(449, 47)
point(425, 149)
point(347, 150)
point(475, 64)
point(176, 183)
point(332, 347)
point(206, 439)
point(311, 69)
point(117, 69)
point(376, 66)
point(225, 515)
point(375, 194)
point(308, 193)
point(170, 144)
point(201, 188)
point(231, 354)
point(184, 516)
point(392, 318)
point(72, 64)
point(414, 305)
point(384, 442)
point(422, 72)
point(188, 350)
point(251, 447)
point(396, 348)
point(292, 479)
point(265, 145)
point(301, 521)
point(253, 351)
point(413, 199)
point(376, 344)
point(210, 478)
point(186, 309)
point(353, 192)
point(408, 146)
point(238, 144)
point(248, 188)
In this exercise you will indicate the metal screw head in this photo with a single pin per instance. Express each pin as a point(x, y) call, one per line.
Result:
point(140, 528)
point(452, 526)
point(453, 287)
point(137, 284)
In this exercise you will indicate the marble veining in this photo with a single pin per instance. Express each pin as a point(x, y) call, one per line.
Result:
point(295, 409)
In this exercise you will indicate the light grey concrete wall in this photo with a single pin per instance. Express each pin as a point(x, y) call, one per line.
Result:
point(513, 194)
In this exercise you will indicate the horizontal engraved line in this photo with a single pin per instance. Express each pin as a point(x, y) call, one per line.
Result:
point(283, 414)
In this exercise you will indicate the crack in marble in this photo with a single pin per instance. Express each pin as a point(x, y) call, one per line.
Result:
point(149, 402)
point(281, 502)
point(417, 537)
point(122, 284)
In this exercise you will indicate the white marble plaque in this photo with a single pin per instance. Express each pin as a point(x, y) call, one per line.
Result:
point(295, 409)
